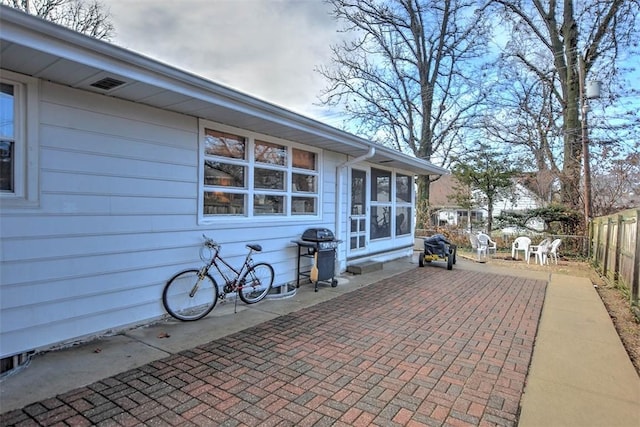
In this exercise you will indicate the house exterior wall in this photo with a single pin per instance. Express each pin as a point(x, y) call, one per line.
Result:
point(115, 180)
point(116, 215)
point(523, 200)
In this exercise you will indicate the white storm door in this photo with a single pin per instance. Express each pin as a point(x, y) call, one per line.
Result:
point(358, 227)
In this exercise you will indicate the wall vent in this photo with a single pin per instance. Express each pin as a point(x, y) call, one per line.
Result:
point(107, 83)
point(11, 364)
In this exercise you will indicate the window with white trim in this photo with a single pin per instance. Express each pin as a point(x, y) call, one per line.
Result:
point(404, 193)
point(8, 106)
point(18, 138)
point(391, 204)
point(249, 175)
point(381, 205)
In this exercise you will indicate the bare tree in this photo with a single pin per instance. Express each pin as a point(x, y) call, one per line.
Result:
point(616, 183)
point(523, 117)
point(401, 77)
point(558, 44)
point(88, 17)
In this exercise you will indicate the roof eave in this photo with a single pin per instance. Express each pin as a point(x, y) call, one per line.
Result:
point(32, 32)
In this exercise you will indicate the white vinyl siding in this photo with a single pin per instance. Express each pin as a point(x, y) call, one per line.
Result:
point(114, 177)
point(117, 217)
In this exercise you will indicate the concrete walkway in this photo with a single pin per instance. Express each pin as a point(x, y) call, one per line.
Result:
point(579, 373)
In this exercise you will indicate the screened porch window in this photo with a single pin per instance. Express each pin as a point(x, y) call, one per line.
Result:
point(391, 204)
point(380, 204)
point(404, 191)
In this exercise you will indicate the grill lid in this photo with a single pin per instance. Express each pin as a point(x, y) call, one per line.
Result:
point(318, 235)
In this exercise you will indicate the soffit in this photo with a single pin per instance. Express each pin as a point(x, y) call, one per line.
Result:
point(40, 49)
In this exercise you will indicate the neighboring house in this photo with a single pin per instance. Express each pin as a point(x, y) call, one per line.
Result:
point(114, 165)
point(446, 213)
point(524, 199)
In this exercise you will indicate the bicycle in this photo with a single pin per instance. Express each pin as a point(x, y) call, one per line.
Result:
point(192, 294)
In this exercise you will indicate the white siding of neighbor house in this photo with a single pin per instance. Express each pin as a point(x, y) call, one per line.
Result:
point(524, 200)
point(117, 216)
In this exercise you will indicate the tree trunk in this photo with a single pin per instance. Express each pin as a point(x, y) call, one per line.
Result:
point(572, 160)
point(422, 202)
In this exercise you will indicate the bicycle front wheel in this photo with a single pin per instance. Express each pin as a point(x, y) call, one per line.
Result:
point(188, 297)
point(256, 283)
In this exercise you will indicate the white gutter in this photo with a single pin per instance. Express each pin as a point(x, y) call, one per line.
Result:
point(368, 155)
point(76, 48)
point(339, 169)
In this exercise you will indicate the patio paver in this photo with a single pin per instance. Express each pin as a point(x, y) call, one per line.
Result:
point(425, 347)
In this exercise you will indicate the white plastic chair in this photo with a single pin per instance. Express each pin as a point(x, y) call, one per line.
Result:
point(477, 246)
point(522, 243)
point(490, 244)
point(540, 251)
point(553, 250)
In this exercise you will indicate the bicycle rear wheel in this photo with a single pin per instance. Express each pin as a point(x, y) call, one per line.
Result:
point(256, 283)
point(187, 297)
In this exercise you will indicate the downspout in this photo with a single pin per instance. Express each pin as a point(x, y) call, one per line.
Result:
point(339, 169)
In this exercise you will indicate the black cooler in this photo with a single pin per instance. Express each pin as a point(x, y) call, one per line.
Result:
point(320, 245)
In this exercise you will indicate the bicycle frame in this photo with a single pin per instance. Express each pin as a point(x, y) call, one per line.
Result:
point(252, 282)
point(230, 285)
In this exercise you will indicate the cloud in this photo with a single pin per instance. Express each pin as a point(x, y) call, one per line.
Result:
point(265, 48)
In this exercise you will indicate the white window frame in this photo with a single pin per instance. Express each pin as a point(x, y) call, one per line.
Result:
point(249, 191)
point(26, 150)
point(403, 204)
point(393, 205)
point(389, 205)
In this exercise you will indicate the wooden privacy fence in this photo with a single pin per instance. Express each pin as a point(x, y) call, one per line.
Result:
point(615, 250)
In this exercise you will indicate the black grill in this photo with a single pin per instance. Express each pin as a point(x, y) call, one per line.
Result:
point(320, 245)
point(318, 235)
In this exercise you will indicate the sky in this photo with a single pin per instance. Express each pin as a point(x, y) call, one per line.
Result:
point(265, 48)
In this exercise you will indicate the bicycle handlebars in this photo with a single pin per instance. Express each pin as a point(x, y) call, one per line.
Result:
point(210, 243)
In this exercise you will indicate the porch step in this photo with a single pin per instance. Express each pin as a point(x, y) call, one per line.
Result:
point(364, 267)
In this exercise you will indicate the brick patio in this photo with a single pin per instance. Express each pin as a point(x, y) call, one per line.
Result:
point(426, 347)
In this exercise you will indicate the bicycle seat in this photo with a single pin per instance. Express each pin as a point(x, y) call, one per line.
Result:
point(255, 247)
